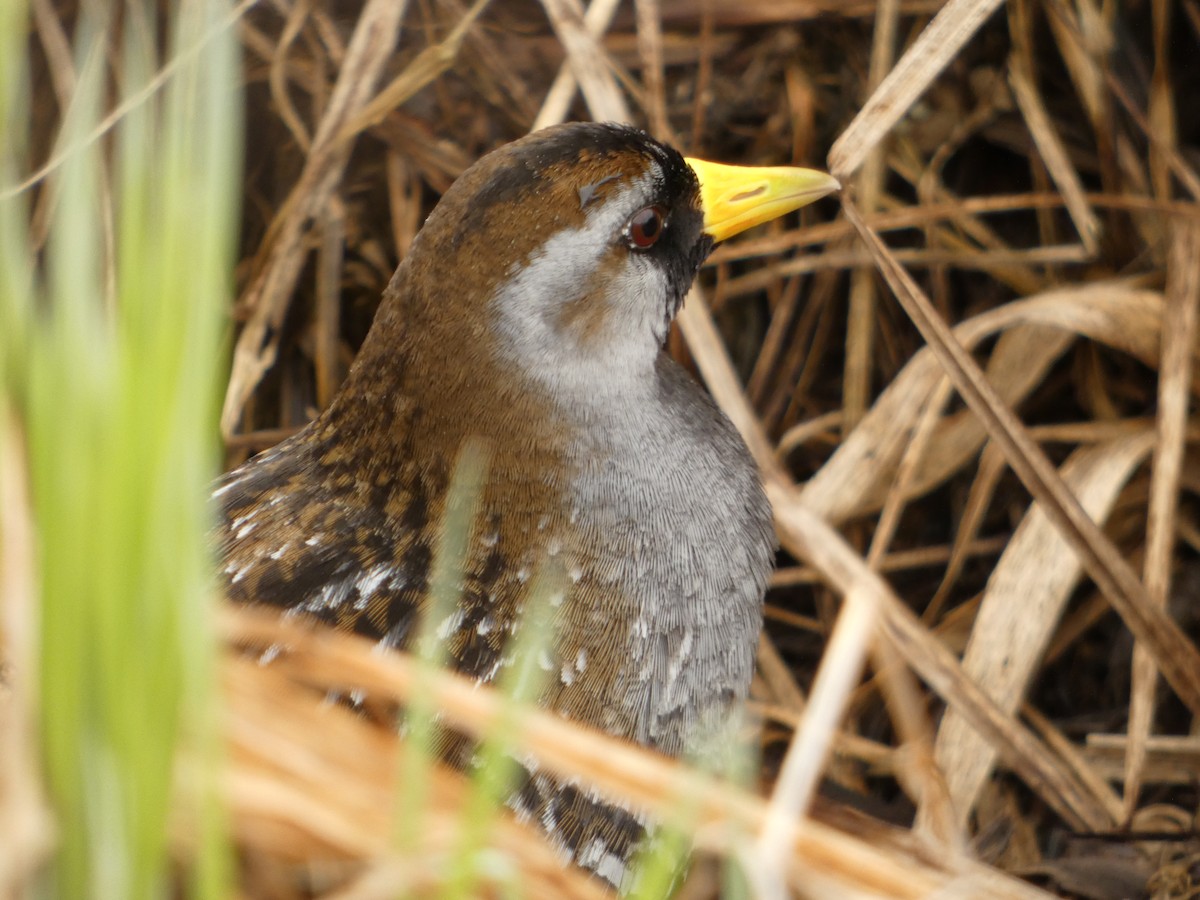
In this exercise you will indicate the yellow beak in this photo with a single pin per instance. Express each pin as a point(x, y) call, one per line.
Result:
point(739, 197)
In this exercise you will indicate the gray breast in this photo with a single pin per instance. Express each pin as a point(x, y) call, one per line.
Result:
point(672, 494)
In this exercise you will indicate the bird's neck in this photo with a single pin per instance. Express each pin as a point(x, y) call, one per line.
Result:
point(428, 380)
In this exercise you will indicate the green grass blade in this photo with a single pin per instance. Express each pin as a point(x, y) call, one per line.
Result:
point(114, 370)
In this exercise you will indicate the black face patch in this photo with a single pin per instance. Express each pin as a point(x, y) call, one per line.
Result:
point(683, 246)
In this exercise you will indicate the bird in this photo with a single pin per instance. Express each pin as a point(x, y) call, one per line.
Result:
point(529, 318)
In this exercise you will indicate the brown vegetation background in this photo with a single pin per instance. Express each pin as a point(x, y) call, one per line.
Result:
point(969, 388)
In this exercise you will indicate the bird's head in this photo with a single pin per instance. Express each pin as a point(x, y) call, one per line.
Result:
point(569, 251)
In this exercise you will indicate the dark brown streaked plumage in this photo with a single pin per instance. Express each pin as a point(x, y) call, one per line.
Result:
point(528, 319)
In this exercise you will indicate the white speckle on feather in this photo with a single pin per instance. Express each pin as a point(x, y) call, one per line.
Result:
point(523, 574)
point(490, 539)
point(680, 656)
point(269, 655)
point(450, 624)
point(567, 675)
point(597, 857)
point(543, 521)
point(277, 554)
point(238, 572)
point(575, 572)
point(545, 663)
point(550, 815)
point(554, 547)
point(331, 596)
point(394, 636)
point(528, 763)
point(225, 487)
point(581, 660)
point(314, 541)
point(520, 808)
point(485, 626)
point(243, 525)
point(370, 580)
point(490, 675)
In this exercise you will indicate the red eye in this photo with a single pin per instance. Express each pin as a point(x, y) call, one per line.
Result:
point(646, 227)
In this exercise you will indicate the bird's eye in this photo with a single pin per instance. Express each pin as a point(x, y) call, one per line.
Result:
point(646, 227)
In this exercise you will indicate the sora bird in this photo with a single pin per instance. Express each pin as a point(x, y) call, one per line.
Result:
point(529, 318)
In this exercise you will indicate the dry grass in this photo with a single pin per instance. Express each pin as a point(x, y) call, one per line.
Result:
point(969, 394)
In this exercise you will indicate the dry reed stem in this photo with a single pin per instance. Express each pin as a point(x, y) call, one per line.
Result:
point(925, 785)
point(840, 669)
point(278, 77)
point(739, 13)
point(860, 322)
point(596, 20)
point(588, 60)
point(25, 817)
point(121, 110)
point(422, 71)
point(314, 783)
point(1021, 607)
point(1073, 758)
point(811, 538)
point(982, 493)
point(1161, 113)
point(899, 561)
point(650, 48)
point(315, 660)
point(282, 255)
point(1175, 377)
point(1054, 155)
point(1035, 333)
point(916, 768)
point(1169, 759)
point(1177, 658)
point(57, 48)
point(906, 472)
point(936, 46)
point(330, 270)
